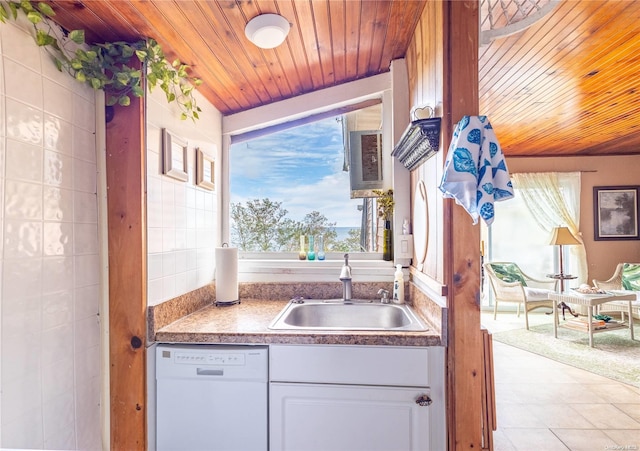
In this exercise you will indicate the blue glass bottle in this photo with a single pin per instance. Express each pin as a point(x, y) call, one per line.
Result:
point(311, 255)
point(321, 247)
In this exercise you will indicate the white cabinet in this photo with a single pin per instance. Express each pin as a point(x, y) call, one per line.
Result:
point(351, 398)
point(342, 417)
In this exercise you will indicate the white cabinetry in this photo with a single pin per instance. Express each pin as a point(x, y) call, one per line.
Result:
point(356, 398)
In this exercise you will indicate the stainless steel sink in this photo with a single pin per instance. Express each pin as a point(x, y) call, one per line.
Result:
point(351, 315)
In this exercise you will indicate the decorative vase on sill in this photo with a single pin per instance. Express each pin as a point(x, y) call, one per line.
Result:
point(384, 205)
point(302, 255)
point(387, 242)
point(321, 255)
point(311, 255)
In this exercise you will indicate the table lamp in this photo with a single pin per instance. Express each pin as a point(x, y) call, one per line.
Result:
point(562, 236)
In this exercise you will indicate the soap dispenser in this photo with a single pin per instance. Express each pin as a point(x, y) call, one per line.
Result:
point(398, 285)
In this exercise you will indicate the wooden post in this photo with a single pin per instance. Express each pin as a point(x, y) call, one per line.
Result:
point(125, 166)
point(462, 238)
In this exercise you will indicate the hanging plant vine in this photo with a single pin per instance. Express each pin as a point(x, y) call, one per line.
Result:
point(105, 66)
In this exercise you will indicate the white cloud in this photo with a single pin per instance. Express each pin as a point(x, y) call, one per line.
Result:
point(329, 196)
point(300, 167)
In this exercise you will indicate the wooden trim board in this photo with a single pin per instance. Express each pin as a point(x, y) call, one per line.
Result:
point(125, 167)
point(462, 238)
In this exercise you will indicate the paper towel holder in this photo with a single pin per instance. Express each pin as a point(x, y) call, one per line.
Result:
point(225, 303)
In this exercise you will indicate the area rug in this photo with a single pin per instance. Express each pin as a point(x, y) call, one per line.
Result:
point(614, 356)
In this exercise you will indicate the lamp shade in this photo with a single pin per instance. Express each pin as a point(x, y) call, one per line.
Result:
point(562, 236)
point(267, 30)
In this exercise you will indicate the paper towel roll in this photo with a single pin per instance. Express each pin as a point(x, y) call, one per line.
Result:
point(226, 274)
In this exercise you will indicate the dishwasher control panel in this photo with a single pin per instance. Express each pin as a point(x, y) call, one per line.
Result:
point(228, 362)
point(212, 358)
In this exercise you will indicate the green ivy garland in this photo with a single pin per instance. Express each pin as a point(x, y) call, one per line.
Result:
point(104, 66)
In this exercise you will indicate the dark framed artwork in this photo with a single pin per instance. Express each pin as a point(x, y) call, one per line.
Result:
point(615, 212)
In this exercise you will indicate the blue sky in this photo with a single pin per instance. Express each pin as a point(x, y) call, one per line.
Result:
point(300, 167)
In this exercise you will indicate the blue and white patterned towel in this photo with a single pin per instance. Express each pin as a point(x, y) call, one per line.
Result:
point(475, 173)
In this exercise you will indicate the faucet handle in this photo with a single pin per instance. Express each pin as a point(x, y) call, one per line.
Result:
point(385, 295)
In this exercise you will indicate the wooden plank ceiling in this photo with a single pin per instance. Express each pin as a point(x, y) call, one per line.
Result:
point(568, 85)
point(331, 42)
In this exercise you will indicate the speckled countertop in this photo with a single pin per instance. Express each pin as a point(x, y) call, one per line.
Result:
point(193, 318)
point(248, 322)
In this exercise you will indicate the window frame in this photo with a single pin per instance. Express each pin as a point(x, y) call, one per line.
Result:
point(258, 267)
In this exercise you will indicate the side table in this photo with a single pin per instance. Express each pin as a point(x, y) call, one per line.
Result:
point(562, 277)
point(591, 301)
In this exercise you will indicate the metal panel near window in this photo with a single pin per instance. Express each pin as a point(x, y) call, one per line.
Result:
point(365, 163)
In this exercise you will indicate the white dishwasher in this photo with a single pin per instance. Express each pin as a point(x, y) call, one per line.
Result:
point(211, 397)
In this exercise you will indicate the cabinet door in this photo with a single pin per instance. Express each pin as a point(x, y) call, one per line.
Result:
point(309, 417)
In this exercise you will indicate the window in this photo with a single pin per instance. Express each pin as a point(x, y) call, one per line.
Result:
point(296, 181)
point(516, 235)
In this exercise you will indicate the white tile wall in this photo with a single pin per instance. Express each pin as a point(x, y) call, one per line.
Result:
point(180, 215)
point(49, 329)
point(49, 325)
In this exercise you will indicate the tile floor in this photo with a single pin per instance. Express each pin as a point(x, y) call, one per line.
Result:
point(545, 405)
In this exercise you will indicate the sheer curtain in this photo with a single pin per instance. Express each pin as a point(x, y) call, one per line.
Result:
point(554, 200)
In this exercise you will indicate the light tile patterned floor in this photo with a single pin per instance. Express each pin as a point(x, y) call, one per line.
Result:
point(543, 405)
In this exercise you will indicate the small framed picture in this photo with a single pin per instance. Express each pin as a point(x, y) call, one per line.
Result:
point(615, 212)
point(205, 170)
point(174, 156)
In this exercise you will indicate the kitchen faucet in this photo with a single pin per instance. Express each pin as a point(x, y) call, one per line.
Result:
point(345, 278)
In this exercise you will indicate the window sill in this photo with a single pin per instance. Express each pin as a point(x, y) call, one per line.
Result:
point(286, 269)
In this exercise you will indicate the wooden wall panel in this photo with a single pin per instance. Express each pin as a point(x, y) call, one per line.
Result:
point(125, 166)
point(425, 67)
point(443, 66)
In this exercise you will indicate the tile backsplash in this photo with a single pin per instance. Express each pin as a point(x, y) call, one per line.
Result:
point(181, 216)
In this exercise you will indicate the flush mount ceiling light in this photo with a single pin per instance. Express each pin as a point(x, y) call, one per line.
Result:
point(267, 30)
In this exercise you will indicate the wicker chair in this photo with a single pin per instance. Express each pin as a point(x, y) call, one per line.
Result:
point(511, 284)
point(625, 277)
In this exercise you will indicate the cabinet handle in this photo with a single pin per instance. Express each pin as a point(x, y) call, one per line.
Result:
point(423, 400)
point(208, 372)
